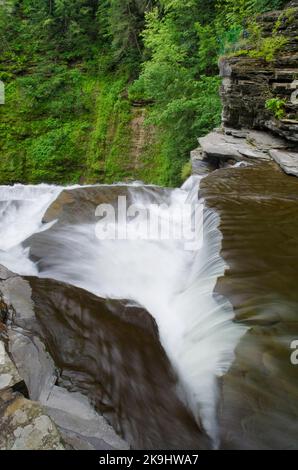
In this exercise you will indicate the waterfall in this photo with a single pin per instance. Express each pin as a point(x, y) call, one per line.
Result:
point(174, 284)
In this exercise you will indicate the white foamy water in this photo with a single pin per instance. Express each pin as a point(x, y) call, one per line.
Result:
point(21, 212)
point(175, 285)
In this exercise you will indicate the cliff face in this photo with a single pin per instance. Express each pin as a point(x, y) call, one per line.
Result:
point(259, 94)
point(250, 81)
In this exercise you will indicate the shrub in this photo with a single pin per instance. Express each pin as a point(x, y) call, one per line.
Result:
point(276, 105)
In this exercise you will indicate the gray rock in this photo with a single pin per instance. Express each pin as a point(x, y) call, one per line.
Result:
point(5, 273)
point(35, 365)
point(16, 292)
point(200, 164)
point(226, 147)
point(79, 423)
point(220, 146)
point(288, 161)
point(9, 374)
point(25, 426)
point(286, 128)
point(266, 141)
point(241, 134)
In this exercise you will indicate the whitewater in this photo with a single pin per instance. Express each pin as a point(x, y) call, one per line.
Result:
point(176, 286)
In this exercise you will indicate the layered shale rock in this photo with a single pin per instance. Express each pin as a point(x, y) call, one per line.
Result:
point(249, 82)
point(227, 146)
point(260, 100)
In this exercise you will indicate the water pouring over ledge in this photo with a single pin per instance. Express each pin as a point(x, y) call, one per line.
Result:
point(49, 232)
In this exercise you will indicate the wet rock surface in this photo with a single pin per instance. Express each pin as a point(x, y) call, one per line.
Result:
point(78, 205)
point(118, 362)
point(57, 419)
point(89, 363)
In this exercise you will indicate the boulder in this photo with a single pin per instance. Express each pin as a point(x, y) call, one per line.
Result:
point(79, 424)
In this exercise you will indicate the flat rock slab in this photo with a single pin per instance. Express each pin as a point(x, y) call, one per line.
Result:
point(79, 424)
point(218, 145)
point(266, 141)
point(288, 161)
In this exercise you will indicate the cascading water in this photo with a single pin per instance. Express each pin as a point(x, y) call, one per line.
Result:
point(21, 212)
point(174, 284)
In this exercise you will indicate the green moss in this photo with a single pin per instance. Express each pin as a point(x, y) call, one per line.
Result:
point(259, 47)
point(269, 48)
point(186, 171)
point(285, 19)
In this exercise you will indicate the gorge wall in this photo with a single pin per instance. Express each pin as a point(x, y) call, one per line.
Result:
point(249, 82)
point(259, 94)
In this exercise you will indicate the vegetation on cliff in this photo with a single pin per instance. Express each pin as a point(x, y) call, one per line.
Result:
point(107, 90)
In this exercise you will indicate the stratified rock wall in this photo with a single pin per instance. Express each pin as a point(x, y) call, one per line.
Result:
point(250, 132)
point(249, 82)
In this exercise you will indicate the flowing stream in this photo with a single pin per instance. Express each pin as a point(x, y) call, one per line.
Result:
point(226, 309)
point(175, 285)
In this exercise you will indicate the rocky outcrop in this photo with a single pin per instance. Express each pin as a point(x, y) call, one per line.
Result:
point(251, 132)
point(110, 351)
point(248, 82)
point(92, 367)
point(257, 206)
point(53, 418)
point(225, 147)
